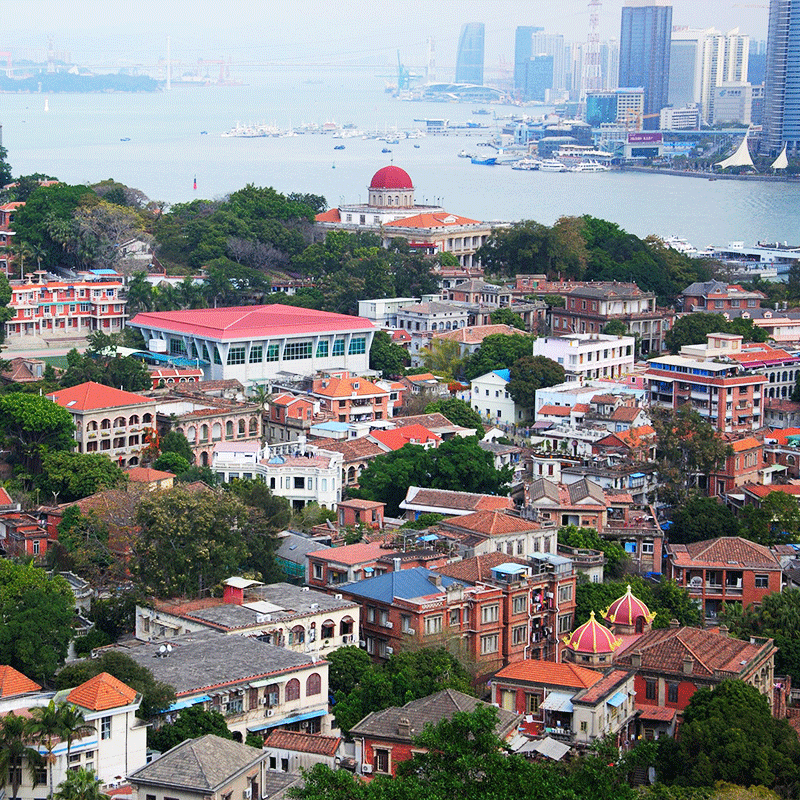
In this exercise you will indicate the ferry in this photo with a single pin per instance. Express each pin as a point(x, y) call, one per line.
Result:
point(527, 163)
point(552, 165)
point(590, 166)
point(489, 161)
point(769, 260)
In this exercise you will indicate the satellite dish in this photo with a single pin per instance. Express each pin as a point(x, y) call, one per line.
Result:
point(169, 648)
point(162, 649)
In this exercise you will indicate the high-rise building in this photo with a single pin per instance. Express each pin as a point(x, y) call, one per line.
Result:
point(539, 77)
point(552, 44)
point(644, 52)
point(781, 118)
point(703, 60)
point(757, 62)
point(523, 51)
point(469, 60)
point(609, 63)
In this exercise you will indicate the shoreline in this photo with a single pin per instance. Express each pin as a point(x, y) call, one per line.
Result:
point(711, 175)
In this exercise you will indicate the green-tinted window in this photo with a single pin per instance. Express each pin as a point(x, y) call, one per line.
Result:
point(236, 356)
point(322, 349)
point(358, 345)
point(256, 353)
point(338, 347)
point(217, 359)
point(177, 347)
point(273, 352)
point(296, 350)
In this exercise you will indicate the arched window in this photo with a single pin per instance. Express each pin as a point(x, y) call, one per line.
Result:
point(293, 690)
point(91, 426)
point(147, 418)
point(204, 433)
point(241, 427)
point(313, 684)
point(351, 475)
point(134, 420)
point(105, 424)
point(229, 428)
point(253, 426)
point(216, 431)
point(191, 434)
point(119, 422)
point(298, 635)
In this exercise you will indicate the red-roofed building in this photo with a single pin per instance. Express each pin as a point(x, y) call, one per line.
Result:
point(742, 467)
point(169, 376)
point(351, 399)
point(289, 417)
point(152, 478)
point(254, 343)
point(14, 683)
point(101, 693)
point(356, 511)
point(729, 570)
point(108, 420)
point(395, 438)
point(292, 751)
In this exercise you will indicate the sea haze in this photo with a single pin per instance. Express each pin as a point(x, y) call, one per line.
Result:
point(79, 139)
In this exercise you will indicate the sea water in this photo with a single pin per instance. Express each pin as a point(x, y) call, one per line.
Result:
point(160, 142)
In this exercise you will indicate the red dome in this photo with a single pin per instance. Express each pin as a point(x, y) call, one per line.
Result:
point(627, 609)
point(592, 637)
point(391, 177)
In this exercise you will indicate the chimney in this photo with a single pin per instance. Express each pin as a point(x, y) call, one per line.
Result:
point(673, 623)
point(404, 727)
point(396, 562)
point(724, 630)
point(636, 659)
point(688, 665)
point(435, 579)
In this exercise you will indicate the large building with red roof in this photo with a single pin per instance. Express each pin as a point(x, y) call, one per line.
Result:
point(392, 213)
point(254, 343)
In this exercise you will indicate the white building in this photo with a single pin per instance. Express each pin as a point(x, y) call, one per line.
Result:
point(733, 102)
point(381, 313)
point(490, 398)
point(299, 472)
point(585, 356)
point(254, 343)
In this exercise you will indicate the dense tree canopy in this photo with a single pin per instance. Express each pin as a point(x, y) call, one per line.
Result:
point(385, 356)
point(191, 723)
point(616, 558)
point(497, 351)
point(505, 316)
point(701, 518)
point(458, 412)
point(70, 476)
point(694, 329)
point(531, 373)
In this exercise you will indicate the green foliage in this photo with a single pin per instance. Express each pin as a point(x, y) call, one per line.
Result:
point(695, 327)
point(442, 357)
point(5, 167)
point(37, 614)
point(614, 552)
point(615, 327)
point(505, 316)
point(554, 300)
point(80, 784)
point(171, 462)
point(458, 464)
point(82, 547)
point(729, 734)
point(701, 518)
point(497, 351)
point(385, 356)
point(688, 446)
point(108, 368)
point(775, 521)
point(156, 696)
point(175, 442)
point(95, 638)
point(15, 746)
point(114, 615)
point(531, 373)
point(423, 521)
point(458, 412)
point(191, 723)
point(72, 476)
point(310, 515)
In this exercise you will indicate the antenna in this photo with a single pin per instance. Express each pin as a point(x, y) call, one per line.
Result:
point(592, 78)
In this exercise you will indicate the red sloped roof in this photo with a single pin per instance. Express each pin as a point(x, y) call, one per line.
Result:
point(548, 672)
point(398, 437)
point(437, 220)
point(92, 396)
point(304, 742)
point(13, 682)
point(101, 693)
point(331, 215)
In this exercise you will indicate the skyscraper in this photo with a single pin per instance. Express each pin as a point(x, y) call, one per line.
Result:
point(469, 60)
point(523, 50)
point(644, 50)
point(781, 119)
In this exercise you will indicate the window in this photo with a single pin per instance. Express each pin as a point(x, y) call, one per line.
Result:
point(584, 726)
point(293, 690)
point(105, 728)
point(313, 684)
point(650, 689)
point(36, 548)
point(518, 634)
point(455, 617)
point(672, 692)
point(489, 643)
point(532, 703)
point(177, 347)
point(318, 572)
point(647, 547)
point(299, 483)
point(564, 593)
point(762, 581)
point(322, 349)
point(273, 352)
point(565, 623)
point(381, 760)
point(433, 625)
point(294, 351)
point(370, 613)
point(217, 357)
point(490, 613)
point(256, 354)
point(235, 704)
point(358, 345)
point(520, 602)
point(338, 347)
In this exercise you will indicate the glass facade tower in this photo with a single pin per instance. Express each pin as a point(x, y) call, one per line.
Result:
point(469, 60)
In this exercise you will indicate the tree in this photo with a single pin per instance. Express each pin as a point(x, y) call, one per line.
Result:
point(701, 518)
point(175, 442)
point(616, 558)
point(31, 425)
point(505, 316)
point(156, 696)
point(73, 476)
point(728, 733)
point(190, 541)
point(46, 728)
point(531, 373)
point(615, 327)
point(80, 784)
point(693, 329)
point(385, 356)
point(442, 357)
point(5, 167)
point(15, 749)
point(37, 614)
point(191, 723)
point(458, 412)
point(775, 521)
point(497, 351)
point(689, 448)
point(73, 724)
point(171, 462)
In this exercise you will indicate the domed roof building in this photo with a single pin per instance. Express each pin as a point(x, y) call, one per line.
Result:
point(590, 644)
point(428, 228)
point(628, 615)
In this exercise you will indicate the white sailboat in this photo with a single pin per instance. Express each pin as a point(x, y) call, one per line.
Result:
point(781, 162)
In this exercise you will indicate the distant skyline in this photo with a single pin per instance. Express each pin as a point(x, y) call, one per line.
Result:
point(99, 32)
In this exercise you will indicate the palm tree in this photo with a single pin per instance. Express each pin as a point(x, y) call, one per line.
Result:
point(14, 749)
point(82, 784)
point(47, 728)
point(73, 724)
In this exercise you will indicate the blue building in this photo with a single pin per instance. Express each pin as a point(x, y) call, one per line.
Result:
point(523, 51)
point(644, 53)
point(538, 77)
point(469, 60)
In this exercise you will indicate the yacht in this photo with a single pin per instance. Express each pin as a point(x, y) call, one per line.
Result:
point(591, 166)
point(552, 165)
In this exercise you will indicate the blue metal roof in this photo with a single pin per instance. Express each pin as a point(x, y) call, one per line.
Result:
point(406, 583)
point(189, 701)
point(617, 700)
point(505, 374)
point(286, 720)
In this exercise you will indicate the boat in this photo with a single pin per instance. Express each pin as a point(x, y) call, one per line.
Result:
point(490, 161)
point(386, 150)
point(339, 147)
point(591, 166)
point(527, 163)
point(204, 133)
point(465, 154)
point(417, 146)
point(552, 165)
point(125, 139)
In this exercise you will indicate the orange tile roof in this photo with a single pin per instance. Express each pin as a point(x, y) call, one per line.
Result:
point(92, 396)
point(491, 522)
point(438, 220)
point(634, 436)
point(656, 713)
point(409, 434)
point(13, 682)
point(555, 411)
point(331, 215)
point(345, 387)
point(581, 408)
point(745, 444)
point(101, 693)
point(475, 334)
point(782, 436)
point(350, 554)
point(478, 568)
point(761, 490)
point(147, 474)
point(726, 550)
point(550, 673)
point(304, 742)
point(424, 376)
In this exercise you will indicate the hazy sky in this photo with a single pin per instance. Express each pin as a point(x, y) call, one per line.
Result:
point(103, 31)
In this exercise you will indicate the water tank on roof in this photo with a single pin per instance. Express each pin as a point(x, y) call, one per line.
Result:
point(157, 346)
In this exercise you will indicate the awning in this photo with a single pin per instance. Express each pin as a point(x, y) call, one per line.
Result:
point(189, 701)
point(429, 537)
point(551, 748)
point(616, 700)
point(637, 475)
point(558, 701)
point(287, 721)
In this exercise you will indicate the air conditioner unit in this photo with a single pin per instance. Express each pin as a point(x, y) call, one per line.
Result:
point(366, 769)
point(270, 712)
point(247, 793)
point(390, 651)
point(263, 701)
point(338, 596)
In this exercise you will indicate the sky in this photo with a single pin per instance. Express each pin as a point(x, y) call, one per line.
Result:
point(108, 32)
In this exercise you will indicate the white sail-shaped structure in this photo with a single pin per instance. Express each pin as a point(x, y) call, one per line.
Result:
point(741, 158)
point(781, 162)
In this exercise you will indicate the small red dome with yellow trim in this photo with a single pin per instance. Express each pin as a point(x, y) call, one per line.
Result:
point(592, 637)
point(627, 609)
point(391, 177)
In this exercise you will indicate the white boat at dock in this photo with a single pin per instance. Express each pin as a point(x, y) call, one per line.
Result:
point(527, 163)
point(552, 165)
point(590, 166)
